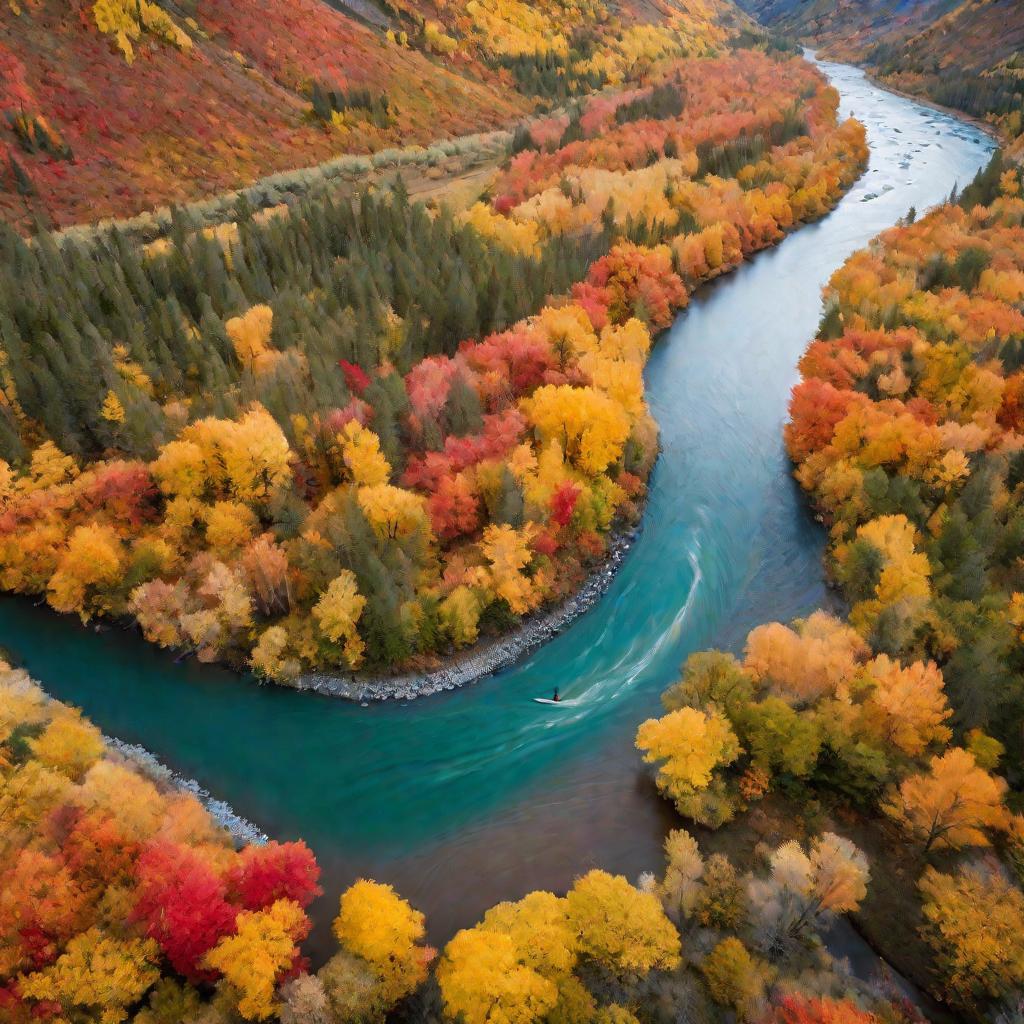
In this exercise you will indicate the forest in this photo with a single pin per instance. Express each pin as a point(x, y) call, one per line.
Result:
point(902, 720)
point(123, 899)
point(364, 425)
point(363, 434)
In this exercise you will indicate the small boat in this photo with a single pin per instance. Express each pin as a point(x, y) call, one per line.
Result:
point(548, 700)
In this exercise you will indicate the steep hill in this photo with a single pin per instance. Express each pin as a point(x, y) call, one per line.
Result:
point(967, 54)
point(855, 23)
point(108, 107)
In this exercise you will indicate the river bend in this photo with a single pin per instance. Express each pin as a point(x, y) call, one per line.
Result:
point(470, 797)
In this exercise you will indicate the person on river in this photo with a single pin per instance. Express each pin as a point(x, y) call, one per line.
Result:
point(555, 696)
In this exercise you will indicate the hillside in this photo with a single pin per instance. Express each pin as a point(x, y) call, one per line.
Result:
point(853, 23)
point(966, 54)
point(108, 108)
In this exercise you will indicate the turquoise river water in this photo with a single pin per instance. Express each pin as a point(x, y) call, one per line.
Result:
point(471, 797)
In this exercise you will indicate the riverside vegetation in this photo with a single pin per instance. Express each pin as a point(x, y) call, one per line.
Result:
point(124, 901)
point(340, 435)
point(965, 54)
point(905, 719)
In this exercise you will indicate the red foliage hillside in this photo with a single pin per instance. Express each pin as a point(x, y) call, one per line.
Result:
point(178, 125)
point(109, 108)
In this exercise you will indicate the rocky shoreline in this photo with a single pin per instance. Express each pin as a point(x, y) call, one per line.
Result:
point(242, 831)
point(487, 657)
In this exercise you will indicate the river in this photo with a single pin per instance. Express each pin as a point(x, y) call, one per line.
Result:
point(471, 797)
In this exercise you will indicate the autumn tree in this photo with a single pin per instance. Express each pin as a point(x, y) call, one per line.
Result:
point(620, 928)
point(483, 979)
point(262, 949)
point(589, 425)
point(680, 888)
point(69, 744)
point(362, 455)
point(96, 973)
point(950, 804)
point(734, 977)
point(90, 565)
point(910, 703)
point(818, 656)
point(262, 874)
point(974, 922)
point(337, 612)
point(540, 927)
point(689, 745)
point(801, 1009)
point(804, 889)
point(380, 928)
point(182, 903)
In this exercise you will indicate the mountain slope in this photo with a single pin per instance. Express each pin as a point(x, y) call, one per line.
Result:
point(108, 107)
point(853, 23)
point(967, 54)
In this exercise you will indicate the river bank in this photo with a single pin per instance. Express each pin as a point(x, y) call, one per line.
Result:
point(242, 831)
point(486, 657)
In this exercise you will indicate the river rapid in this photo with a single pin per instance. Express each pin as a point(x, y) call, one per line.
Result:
point(471, 797)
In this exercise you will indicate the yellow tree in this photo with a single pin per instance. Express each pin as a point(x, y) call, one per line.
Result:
point(392, 511)
point(68, 744)
point(690, 744)
point(338, 612)
point(250, 336)
point(112, 410)
point(620, 927)
point(508, 551)
point(247, 459)
point(97, 973)
point(459, 613)
point(23, 702)
point(974, 922)
point(377, 925)
point(734, 978)
point(230, 525)
point(950, 804)
point(29, 793)
point(271, 656)
point(180, 468)
point(48, 467)
point(91, 563)
point(263, 947)
point(590, 426)
point(255, 455)
point(360, 450)
point(905, 570)
point(540, 928)
point(483, 980)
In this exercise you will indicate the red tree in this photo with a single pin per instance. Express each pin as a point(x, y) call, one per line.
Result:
point(261, 875)
point(182, 902)
point(355, 377)
point(563, 502)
